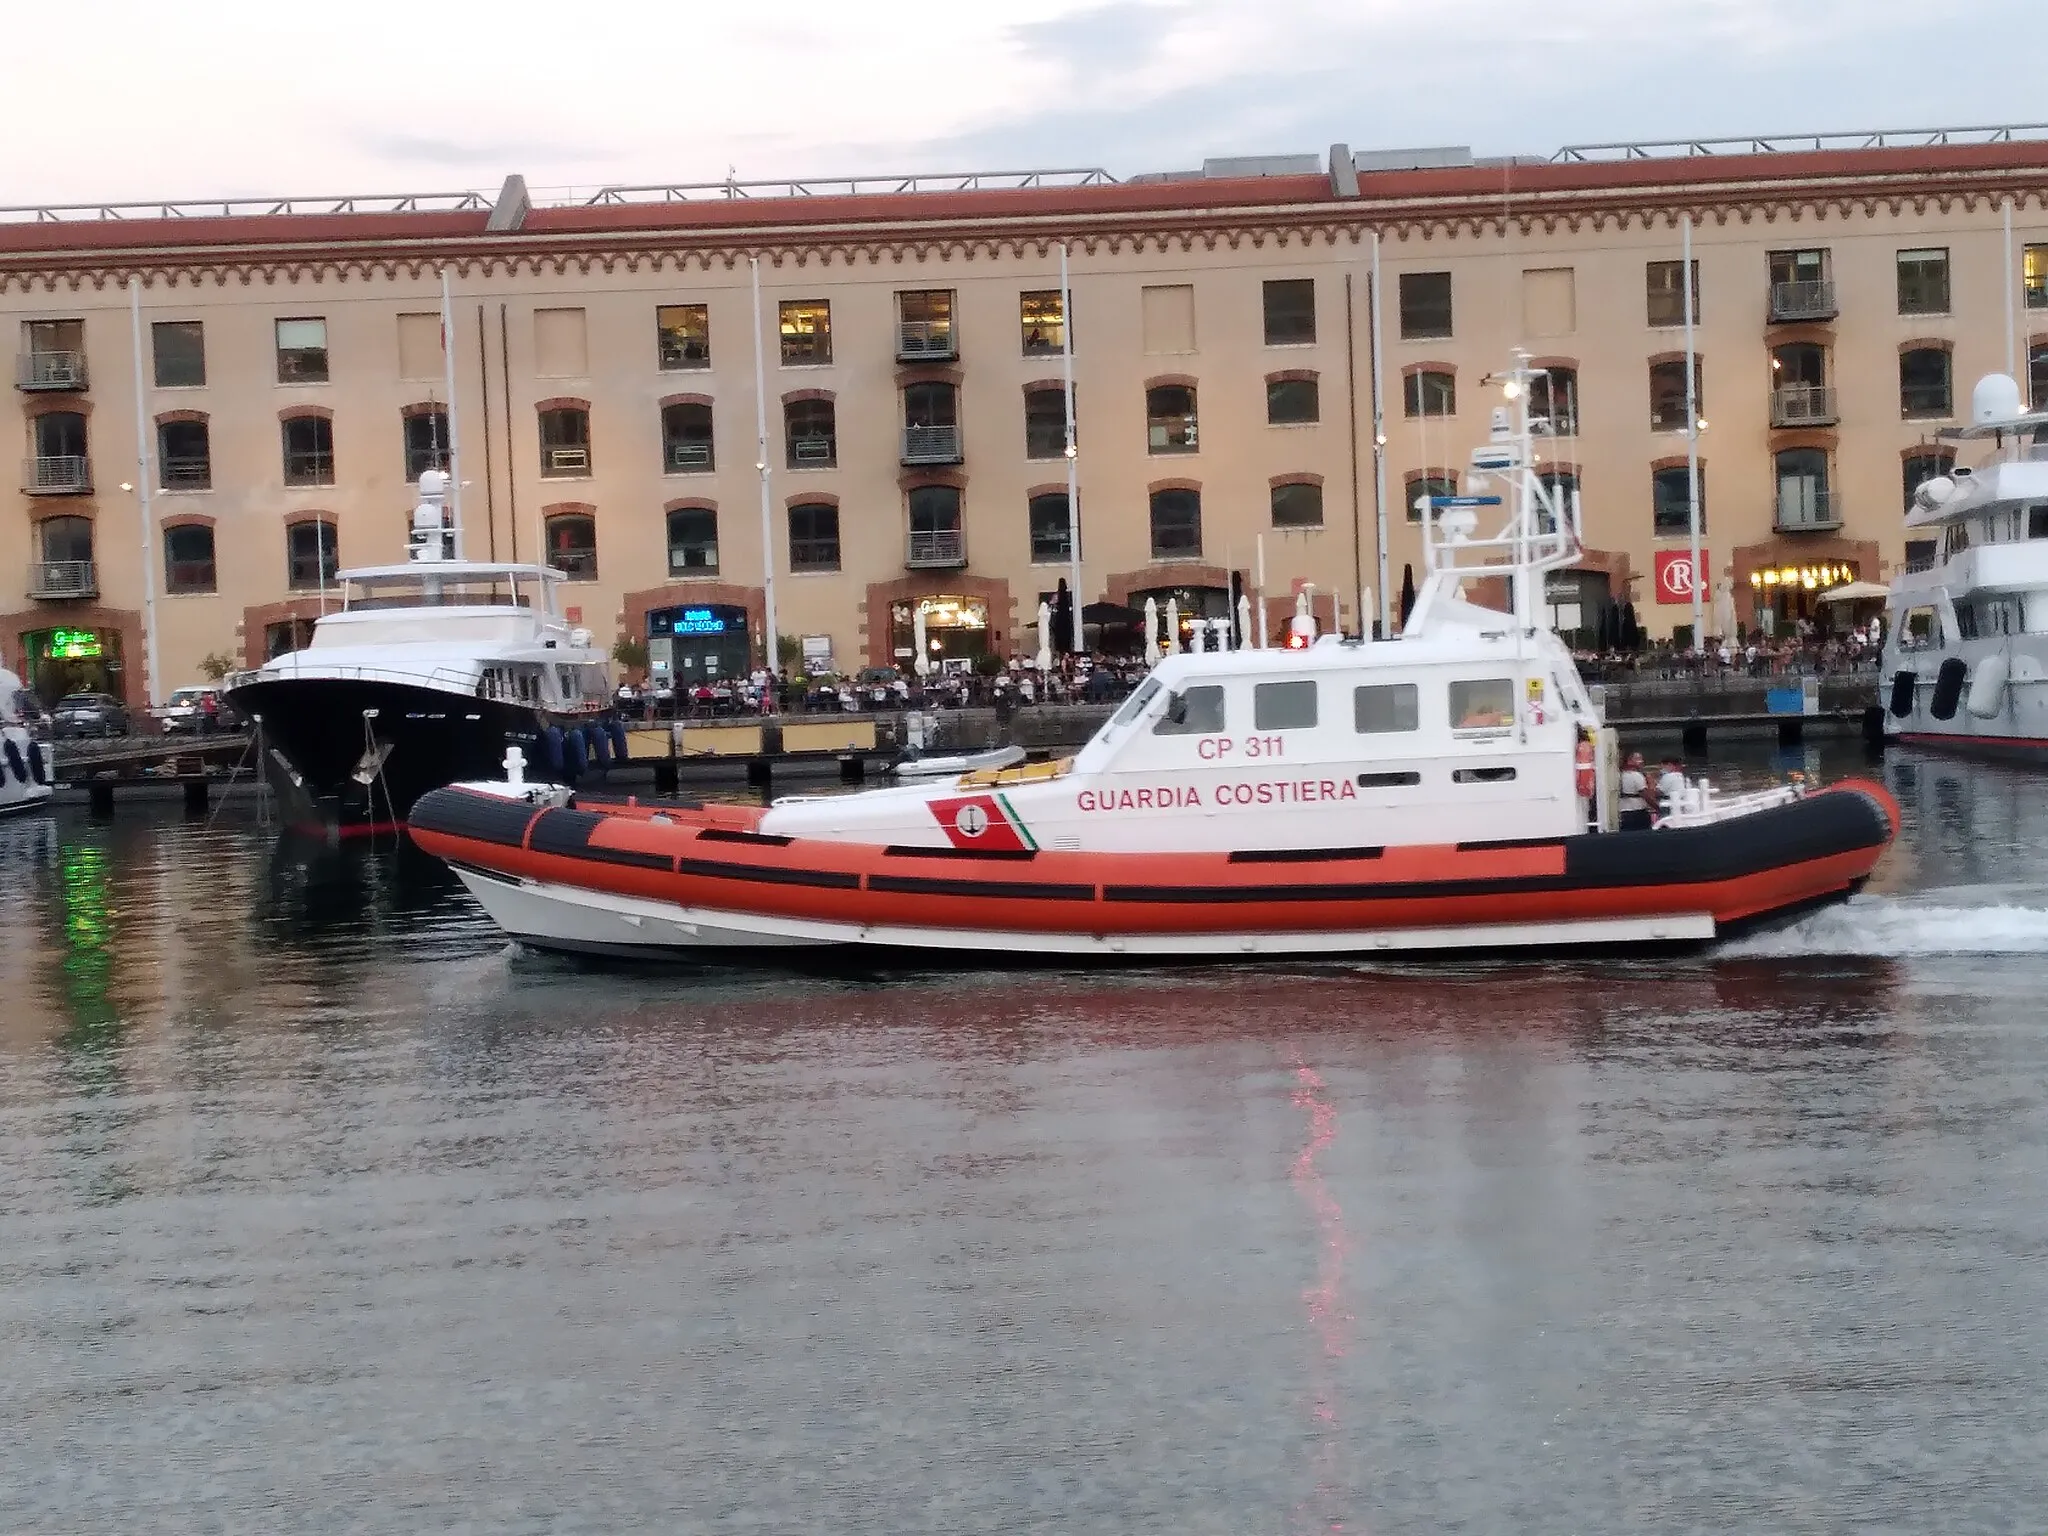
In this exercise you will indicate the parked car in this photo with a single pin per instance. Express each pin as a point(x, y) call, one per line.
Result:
point(197, 711)
point(89, 714)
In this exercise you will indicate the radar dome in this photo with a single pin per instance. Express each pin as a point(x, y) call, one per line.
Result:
point(434, 482)
point(1930, 494)
point(1996, 398)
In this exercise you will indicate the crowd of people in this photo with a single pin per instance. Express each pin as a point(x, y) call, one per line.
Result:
point(1805, 651)
point(1015, 684)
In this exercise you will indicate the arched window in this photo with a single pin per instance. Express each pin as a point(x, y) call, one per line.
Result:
point(936, 537)
point(686, 443)
point(811, 428)
point(565, 443)
point(312, 552)
point(1667, 392)
point(62, 464)
point(814, 536)
point(1671, 499)
point(1051, 536)
point(426, 442)
point(1430, 392)
point(1925, 388)
point(1924, 466)
point(184, 452)
point(188, 559)
point(1293, 399)
point(1554, 402)
point(308, 450)
point(1045, 423)
point(1176, 524)
point(1170, 419)
point(1420, 486)
point(931, 423)
point(693, 541)
point(65, 539)
point(1804, 500)
point(572, 545)
point(1297, 506)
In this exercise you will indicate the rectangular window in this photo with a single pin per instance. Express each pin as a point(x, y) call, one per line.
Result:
point(1168, 316)
point(1424, 486)
point(1664, 284)
point(1192, 712)
point(1482, 775)
point(1052, 541)
point(1430, 392)
point(419, 348)
point(1045, 424)
point(1384, 708)
point(308, 451)
point(682, 336)
point(302, 351)
point(426, 443)
point(1483, 704)
point(1923, 282)
point(184, 455)
point(924, 325)
point(814, 537)
point(2034, 275)
point(1400, 779)
point(1293, 402)
point(806, 332)
point(1425, 304)
point(180, 350)
point(1291, 312)
point(561, 348)
point(1043, 322)
point(1550, 302)
point(1284, 706)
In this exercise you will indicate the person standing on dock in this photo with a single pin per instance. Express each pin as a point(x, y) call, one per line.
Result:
point(1635, 795)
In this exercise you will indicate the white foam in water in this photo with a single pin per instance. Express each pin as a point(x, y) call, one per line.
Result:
point(1932, 923)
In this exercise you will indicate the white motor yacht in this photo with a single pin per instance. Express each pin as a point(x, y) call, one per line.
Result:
point(25, 767)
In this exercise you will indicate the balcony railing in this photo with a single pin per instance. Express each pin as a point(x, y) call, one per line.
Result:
point(1802, 405)
point(941, 549)
point(686, 456)
point(1809, 512)
point(57, 475)
point(1803, 301)
point(931, 445)
point(56, 580)
point(50, 370)
point(191, 474)
point(308, 468)
point(813, 452)
point(920, 340)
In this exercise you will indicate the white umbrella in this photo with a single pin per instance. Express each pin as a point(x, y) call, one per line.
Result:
point(1724, 608)
point(921, 662)
point(1044, 636)
point(1244, 621)
point(1151, 631)
point(1173, 626)
point(1855, 592)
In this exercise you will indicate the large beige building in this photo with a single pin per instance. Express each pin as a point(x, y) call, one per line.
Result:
point(291, 373)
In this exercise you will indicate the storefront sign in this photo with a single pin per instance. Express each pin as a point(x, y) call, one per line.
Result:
point(817, 654)
point(74, 645)
point(720, 619)
point(1676, 580)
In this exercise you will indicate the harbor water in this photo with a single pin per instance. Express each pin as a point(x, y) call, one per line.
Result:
point(325, 1211)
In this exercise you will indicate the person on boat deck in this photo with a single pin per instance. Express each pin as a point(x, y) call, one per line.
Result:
point(1635, 795)
point(1670, 786)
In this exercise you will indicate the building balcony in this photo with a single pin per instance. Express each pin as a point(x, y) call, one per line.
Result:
point(813, 452)
point(943, 549)
point(57, 475)
point(1793, 302)
point(50, 371)
point(684, 458)
point(62, 580)
point(924, 341)
point(1809, 512)
point(931, 445)
point(1803, 405)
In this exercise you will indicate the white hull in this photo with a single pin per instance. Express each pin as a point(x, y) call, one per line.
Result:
point(2019, 727)
point(579, 919)
point(16, 796)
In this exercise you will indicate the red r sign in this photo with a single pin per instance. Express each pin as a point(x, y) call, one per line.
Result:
point(1675, 579)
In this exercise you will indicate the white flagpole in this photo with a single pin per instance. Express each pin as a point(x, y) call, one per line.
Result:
point(772, 638)
point(454, 438)
point(145, 477)
point(2011, 328)
point(1073, 458)
point(1692, 442)
point(1379, 440)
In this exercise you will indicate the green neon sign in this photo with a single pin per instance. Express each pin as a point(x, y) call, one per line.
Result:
point(74, 645)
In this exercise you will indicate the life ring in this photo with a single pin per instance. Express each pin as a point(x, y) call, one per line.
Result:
point(15, 762)
point(36, 763)
point(1583, 779)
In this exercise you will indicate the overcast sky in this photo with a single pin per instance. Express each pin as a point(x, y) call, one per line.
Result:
point(140, 99)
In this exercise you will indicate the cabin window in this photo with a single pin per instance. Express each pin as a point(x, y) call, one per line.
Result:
point(1135, 705)
point(1919, 628)
point(1482, 775)
point(1966, 622)
point(1483, 704)
point(1283, 706)
point(1401, 779)
point(1383, 708)
point(2037, 522)
point(1192, 712)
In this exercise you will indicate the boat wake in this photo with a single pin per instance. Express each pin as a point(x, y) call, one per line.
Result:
point(1976, 920)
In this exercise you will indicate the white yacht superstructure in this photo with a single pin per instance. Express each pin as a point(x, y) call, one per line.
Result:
point(25, 768)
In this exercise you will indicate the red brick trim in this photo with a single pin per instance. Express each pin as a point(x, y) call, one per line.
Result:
point(1409, 370)
point(186, 520)
point(1172, 380)
point(635, 606)
point(791, 397)
point(1168, 573)
point(1050, 488)
point(1804, 334)
point(1559, 467)
point(1781, 440)
point(1156, 486)
point(56, 404)
point(1805, 549)
point(690, 504)
point(568, 509)
point(1614, 563)
point(929, 373)
point(131, 681)
point(296, 518)
point(1445, 473)
point(2038, 339)
point(421, 408)
point(1294, 376)
point(165, 418)
point(300, 412)
point(881, 595)
point(1675, 461)
point(1560, 362)
point(1926, 344)
point(1043, 386)
point(1698, 353)
point(912, 479)
point(260, 616)
point(686, 398)
point(1297, 477)
point(562, 403)
point(814, 499)
point(1926, 451)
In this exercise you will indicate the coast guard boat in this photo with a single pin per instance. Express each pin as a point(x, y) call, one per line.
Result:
point(426, 673)
point(1451, 789)
point(1965, 662)
point(24, 761)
